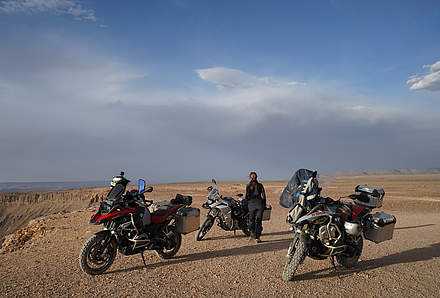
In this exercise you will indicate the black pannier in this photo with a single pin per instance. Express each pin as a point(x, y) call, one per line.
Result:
point(181, 200)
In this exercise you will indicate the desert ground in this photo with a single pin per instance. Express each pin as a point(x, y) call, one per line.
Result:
point(40, 257)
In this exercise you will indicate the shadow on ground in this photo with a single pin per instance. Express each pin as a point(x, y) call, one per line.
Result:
point(405, 257)
point(273, 245)
point(414, 227)
point(241, 235)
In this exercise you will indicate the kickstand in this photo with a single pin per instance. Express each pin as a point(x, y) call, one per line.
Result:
point(143, 259)
point(234, 232)
point(332, 260)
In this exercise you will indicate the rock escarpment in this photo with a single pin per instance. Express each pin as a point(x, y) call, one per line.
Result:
point(18, 209)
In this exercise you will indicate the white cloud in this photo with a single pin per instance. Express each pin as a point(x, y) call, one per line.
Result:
point(434, 67)
point(257, 98)
point(58, 7)
point(429, 81)
point(233, 78)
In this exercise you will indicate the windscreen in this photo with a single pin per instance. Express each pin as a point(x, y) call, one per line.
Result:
point(115, 193)
point(214, 193)
point(291, 192)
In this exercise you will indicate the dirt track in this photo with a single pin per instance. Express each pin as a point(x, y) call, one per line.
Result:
point(224, 265)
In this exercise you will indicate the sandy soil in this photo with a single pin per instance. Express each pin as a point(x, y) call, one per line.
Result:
point(228, 265)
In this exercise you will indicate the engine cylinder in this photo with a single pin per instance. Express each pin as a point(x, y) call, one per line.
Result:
point(352, 228)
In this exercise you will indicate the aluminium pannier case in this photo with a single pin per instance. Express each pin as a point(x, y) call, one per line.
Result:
point(188, 220)
point(266, 213)
point(379, 227)
point(369, 196)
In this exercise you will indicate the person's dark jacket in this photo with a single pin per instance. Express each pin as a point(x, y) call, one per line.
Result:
point(255, 193)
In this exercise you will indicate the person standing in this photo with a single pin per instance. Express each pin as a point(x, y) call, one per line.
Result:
point(256, 200)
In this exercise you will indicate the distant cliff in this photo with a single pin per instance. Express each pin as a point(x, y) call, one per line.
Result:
point(18, 208)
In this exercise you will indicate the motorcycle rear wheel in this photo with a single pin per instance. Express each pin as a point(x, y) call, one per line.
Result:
point(174, 243)
point(94, 257)
point(296, 255)
point(246, 231)
point(204, 228)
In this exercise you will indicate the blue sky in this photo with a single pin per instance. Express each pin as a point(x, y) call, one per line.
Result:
point(371, 45)
point(370, 64)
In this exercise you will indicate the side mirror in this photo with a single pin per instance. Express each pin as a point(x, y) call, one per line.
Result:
point(239, 195)
point(141, 185)
point(214, 182)
point(149, 189)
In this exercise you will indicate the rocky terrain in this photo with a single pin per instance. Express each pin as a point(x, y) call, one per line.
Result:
point(41, 259)
point(18, 208)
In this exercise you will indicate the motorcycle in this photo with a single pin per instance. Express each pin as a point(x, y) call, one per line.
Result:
point(230, 214)
point(336, 230)
point(118, 214)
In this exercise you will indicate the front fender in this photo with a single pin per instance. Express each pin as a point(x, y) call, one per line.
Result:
point(214, 212)
point(104, 233)
point(108, 236)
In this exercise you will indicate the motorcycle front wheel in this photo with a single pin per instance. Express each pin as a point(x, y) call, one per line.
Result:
point(295, 256)
point(204, 228)
point(97, 254)
point(173, 243)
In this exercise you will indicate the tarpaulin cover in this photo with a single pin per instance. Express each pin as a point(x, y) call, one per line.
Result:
point(291, 192)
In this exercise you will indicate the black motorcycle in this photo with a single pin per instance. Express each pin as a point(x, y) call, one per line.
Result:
point(336, 229)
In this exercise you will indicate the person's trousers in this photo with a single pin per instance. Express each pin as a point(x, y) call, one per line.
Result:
point(255, 220)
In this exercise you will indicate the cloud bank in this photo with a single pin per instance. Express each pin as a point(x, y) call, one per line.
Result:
point(70, 112)
point(429, 81)
point(57, 7)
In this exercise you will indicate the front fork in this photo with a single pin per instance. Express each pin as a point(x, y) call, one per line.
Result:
point(296, 237)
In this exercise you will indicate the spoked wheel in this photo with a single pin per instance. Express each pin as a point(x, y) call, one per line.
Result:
point(295, 256)
point(97, 254)
point(351, 258)
point(173, 242)
point(205, 227)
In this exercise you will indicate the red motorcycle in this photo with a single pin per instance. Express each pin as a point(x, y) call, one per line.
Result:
point(120, 214)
